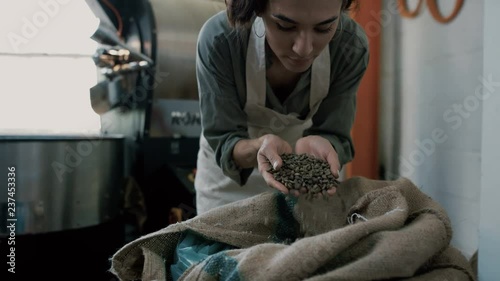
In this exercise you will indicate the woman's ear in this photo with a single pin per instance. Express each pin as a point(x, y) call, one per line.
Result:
point(260, 7)
point(260, 12)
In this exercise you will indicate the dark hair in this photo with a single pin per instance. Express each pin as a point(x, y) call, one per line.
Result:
point(241, 12)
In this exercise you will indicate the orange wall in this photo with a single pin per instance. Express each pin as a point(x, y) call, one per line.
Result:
point(365, 130)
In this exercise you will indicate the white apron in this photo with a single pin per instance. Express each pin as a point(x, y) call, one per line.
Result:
point(213, 188)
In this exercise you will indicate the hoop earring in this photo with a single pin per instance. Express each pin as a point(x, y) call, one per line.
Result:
point(260, 36)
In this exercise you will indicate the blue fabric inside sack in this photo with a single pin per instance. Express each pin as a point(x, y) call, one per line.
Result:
point(192, 249)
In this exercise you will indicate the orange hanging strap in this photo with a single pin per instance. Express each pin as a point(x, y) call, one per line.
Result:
point(436, 13)
point(403, 9)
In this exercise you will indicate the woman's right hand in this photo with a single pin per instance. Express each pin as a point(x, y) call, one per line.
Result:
point(268, 157)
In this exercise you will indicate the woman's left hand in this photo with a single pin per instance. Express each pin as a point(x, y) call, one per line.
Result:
point(319, 148)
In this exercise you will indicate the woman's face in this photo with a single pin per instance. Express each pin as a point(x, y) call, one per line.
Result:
point(298, 30)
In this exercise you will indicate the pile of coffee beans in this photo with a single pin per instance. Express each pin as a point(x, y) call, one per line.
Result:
point(305, 174)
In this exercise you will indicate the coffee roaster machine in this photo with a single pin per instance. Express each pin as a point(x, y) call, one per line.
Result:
point(147, 99)
point(148, 92)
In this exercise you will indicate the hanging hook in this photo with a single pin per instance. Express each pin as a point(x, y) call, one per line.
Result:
point(403, 9)
point(433, 8)
point(436, 13)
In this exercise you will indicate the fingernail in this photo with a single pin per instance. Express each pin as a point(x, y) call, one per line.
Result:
point(338, 173)
point(275, 165)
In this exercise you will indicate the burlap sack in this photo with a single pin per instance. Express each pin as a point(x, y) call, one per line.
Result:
point(370, 230)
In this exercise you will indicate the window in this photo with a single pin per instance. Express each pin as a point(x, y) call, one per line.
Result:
point(47, 67)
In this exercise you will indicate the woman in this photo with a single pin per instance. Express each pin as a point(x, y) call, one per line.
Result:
point(274, 77)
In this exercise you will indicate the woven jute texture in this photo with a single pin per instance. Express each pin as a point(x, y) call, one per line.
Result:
point(369, 230)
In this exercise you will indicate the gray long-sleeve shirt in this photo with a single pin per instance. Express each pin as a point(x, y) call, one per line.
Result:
point(220, 70)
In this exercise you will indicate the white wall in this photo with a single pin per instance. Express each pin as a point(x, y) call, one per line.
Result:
point(489, 231)
point(439, 130)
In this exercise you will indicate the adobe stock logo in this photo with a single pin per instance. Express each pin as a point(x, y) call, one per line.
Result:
point(31, 26)
point(455, 116)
